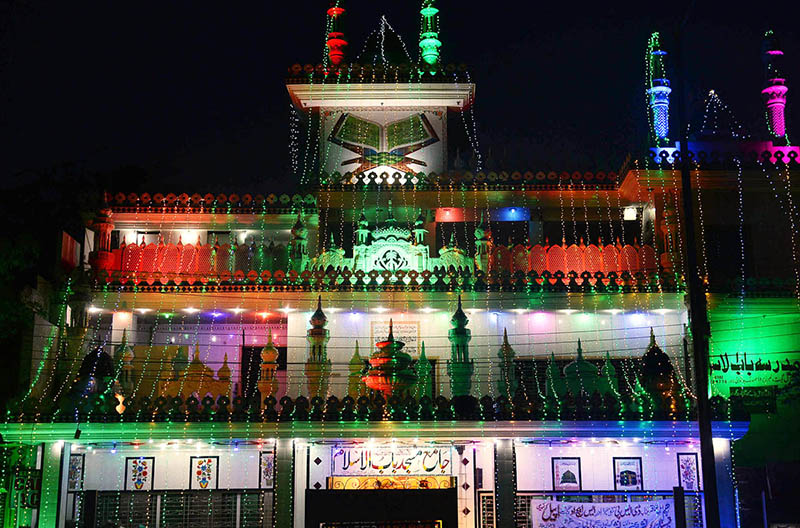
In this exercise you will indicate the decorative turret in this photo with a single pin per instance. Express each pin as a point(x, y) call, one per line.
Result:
point(658, 89)
point(123, 355)
point(362, 231)
point(267, 381)
point(608, 377)
point(318, 366)
point(419, 229)
point(180, 362)
point(429, 42)
point(336, 41)
point(424, 385)
point(298, 245)
point(102, 258)
point(775, 88)
point(507, 375)
point(482, 242)
point(355, 386)
point(224, 372)
point(580, 375)
point(390, 368)
point(460, 367)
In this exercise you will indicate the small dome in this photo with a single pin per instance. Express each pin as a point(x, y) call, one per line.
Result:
point(224, 372)
point(97, 364)
point(318, 318)
point(269, 354)
point(459, 319)
point(655, 362)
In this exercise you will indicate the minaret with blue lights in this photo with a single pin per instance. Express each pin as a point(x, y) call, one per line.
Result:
point(658, 89)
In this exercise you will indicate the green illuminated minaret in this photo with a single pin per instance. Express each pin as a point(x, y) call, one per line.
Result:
point(507, 377)
point(318, 366)
point(429, 42)
point(460, 367)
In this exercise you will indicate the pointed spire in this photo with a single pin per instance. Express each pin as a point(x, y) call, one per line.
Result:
point(459, 319)
point(318, 318)
point(652, 337)
point(391, 331)
point(580, 351)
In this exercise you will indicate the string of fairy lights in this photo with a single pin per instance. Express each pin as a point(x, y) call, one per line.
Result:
point(177, 330)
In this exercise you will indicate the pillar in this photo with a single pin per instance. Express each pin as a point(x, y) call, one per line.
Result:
point(505, 483)
point(102, 258)
point(283, 499)
point(53, 499)
point(726, 494)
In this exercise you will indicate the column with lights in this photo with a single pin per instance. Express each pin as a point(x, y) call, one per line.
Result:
point(775, 89)
point(429, 42)
point(336, 42)
point(658, 89)
point(460, 367)
point(318, 366)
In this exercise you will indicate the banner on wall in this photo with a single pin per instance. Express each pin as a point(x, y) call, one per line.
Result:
point(348, 461)
point(647, 514)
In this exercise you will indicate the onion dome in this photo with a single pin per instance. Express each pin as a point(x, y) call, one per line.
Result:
point(96, 364)
point(459, 319)
point(581, 375)
point(269, 354)
point(390, 368)
point(655, 362)
point(390, 229)
point(318, 318)
point(224, 372)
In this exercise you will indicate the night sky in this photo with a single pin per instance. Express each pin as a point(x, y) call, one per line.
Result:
point(190, 96)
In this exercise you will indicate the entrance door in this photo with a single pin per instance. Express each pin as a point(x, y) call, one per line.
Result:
point(434, 508)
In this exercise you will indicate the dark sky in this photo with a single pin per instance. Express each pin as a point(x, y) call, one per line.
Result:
point(193, 92)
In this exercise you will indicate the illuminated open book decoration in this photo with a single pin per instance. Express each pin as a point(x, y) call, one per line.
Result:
point(383, 145)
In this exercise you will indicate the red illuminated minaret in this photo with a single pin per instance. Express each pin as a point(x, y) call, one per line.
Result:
point(336, 41)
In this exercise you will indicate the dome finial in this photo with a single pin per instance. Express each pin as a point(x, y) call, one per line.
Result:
point(391, 331)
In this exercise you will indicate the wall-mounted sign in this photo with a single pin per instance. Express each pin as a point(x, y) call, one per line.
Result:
point(347, 461)
point(554, 514)
point(566, 474)
point(754, 369)
point(390, 482)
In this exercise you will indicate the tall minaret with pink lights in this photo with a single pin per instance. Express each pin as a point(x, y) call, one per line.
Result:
point(775, 88)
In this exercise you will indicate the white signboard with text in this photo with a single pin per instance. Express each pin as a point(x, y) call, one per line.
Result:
point(646, 514)
point(350, 461)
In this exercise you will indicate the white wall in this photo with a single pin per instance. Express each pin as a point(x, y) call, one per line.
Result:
point(237, 469)
point(659, 465)
point(532, 335)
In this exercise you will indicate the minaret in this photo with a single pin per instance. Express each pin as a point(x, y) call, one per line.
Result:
point(318, 366)
point(658, 88)
point(124, 355)
point(362, 231)
point(424, 386)
point(355, 387)
point(507, 377)
point(336, 40)
point(102, 258)
point(460, 367)
point(267, 381)
point(482, 242)
point(429, 42)
point(419, 229)
point(298, 249)
point(775, 88)
point(224, 372)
